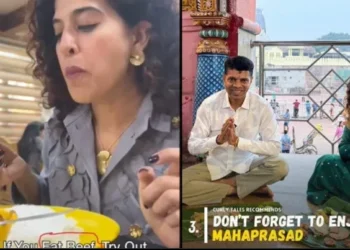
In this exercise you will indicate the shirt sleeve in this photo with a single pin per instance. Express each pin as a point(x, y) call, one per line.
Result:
point(200, 141)
point(270, 144)
point(344, 145)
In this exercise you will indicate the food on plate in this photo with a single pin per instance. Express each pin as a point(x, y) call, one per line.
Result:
point(331, 236)
point(305, 233)
point(305, 226)
point(322, 230)
point(334, 230)
point(347, 243)
point(341, 235)
point(330, 211)
point(199, 230)
point(30, 231)
point(329, 242)
point(322, 213)
point(198, 217)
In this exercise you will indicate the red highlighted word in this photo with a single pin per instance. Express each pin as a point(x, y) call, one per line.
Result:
point(65, 243)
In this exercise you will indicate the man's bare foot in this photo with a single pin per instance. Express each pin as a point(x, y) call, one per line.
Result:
point(265, 190)
point(232, 191)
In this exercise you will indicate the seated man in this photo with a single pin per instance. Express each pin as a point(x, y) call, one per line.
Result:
point(227, 127)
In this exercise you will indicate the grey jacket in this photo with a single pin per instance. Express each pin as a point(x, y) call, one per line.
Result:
point(116, 193)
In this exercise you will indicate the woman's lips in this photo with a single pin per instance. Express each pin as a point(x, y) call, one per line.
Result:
point(73, 72)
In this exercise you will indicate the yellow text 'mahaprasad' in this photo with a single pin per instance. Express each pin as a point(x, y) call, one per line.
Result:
point(257, 235)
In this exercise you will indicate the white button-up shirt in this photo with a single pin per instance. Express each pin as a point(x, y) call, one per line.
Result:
point(255, 117)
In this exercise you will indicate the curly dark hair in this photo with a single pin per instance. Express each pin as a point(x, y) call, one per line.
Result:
point(27, 141)
point(160, 72)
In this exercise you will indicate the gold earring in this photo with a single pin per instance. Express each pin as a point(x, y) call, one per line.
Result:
point(137, 60)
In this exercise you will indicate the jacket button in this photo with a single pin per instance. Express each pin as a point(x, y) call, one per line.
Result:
point(71, 170)
point(175, 122)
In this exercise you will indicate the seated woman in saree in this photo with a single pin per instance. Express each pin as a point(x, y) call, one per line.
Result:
point(331, 176)
point(110, 70)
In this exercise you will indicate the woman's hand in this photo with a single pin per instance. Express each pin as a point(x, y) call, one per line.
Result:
point(11, 165)
point(160, 197)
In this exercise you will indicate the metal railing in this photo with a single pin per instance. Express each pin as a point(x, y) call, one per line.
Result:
point(333, 47)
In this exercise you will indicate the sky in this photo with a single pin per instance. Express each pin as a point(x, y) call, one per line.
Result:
point(296, 20)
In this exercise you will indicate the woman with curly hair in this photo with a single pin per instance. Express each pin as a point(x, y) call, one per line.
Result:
point(110, 70)
point(331, 176)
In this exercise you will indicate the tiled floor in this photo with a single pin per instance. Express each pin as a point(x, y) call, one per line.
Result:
point(290, 193)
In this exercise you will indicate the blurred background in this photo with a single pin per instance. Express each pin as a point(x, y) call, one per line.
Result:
point(19, 92)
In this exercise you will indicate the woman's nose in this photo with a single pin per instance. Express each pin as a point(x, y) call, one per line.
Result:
point(68, 45)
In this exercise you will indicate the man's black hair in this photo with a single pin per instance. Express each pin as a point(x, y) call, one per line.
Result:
point(239, 63)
